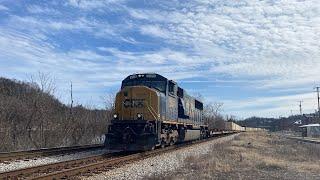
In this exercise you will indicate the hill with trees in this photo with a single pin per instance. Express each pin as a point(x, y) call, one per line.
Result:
point(290, 123)
point(32, 118)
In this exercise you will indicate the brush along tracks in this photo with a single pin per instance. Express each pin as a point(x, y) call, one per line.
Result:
point(306, 139)
point(33, 154)
point(90, 165)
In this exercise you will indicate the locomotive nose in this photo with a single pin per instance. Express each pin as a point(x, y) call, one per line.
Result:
point(137, 103)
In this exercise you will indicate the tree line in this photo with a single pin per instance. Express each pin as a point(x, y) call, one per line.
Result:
point(32, 118)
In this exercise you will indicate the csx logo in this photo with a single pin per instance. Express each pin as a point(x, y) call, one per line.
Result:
point(133, 103)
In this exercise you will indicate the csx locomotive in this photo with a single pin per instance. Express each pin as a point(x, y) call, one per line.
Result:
point(152, 111)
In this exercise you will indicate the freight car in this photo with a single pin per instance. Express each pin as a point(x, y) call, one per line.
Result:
point(221, 126)
point(251, 129)
point(231, 126)
point(152, 111)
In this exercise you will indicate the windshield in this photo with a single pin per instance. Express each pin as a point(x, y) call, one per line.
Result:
point(158, 85)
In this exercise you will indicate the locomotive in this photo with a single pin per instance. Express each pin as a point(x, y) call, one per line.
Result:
point(152, 111)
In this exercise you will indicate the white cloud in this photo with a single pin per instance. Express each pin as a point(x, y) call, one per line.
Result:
point(272, 106)
point(176, 61)
point(22, 56)
point(154, 30)
point(36, 9)
point(48, 26)
point(263, 39)
point(25, 55)
point(3, 8)
point(92, 4)
point(265, 45)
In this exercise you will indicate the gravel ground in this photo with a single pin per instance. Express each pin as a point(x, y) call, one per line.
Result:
point(46, 160)
point(160, 164)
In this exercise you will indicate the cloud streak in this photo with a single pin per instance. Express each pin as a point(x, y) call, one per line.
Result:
point(262, 48)
point(273, 39)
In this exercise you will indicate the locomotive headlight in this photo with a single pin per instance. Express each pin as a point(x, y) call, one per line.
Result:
point(115, 116)
point(139, 116)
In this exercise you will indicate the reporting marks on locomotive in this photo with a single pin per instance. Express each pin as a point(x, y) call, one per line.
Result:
point(133, 103)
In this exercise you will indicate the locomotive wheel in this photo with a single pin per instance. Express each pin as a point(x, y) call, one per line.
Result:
point(171, 142)
point(163, 144)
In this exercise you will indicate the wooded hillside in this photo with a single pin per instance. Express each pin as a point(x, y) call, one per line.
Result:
point(31, 118)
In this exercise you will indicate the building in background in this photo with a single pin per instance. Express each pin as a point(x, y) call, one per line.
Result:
point(310, 130)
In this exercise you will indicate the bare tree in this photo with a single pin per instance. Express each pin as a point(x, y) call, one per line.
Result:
point(37, 121)
point(45, 81)
point(212, 115)
point(213, 109)
point(109, 100)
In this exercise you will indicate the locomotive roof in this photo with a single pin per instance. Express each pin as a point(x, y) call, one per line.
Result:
point(146, 75)
point(154, 76)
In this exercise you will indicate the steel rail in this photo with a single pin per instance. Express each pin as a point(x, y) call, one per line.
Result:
point(47, 168)
point(113, 163)
point(18, 155)
point(89, 165)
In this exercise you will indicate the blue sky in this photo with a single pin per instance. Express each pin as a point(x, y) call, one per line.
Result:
point(257, 57)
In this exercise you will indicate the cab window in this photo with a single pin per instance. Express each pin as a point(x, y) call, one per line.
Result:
point(171, 87)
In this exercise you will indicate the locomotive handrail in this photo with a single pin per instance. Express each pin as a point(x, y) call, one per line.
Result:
point(150, 109)
point(153, 113)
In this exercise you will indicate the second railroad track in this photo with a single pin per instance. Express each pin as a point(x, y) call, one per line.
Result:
point(32, 154)
point(90, 165)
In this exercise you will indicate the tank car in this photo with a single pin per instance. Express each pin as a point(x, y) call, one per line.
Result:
point(152, 111)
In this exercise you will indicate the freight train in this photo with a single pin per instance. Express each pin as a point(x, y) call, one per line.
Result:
point(152, 111)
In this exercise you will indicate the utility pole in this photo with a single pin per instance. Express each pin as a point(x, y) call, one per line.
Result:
point(71, 105)
point(317, 88)
point(300, 106)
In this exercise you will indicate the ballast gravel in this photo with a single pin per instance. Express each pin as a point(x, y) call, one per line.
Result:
point(161, 164)
point(14, 165)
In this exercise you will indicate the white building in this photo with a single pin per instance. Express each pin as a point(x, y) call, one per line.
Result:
point(310, 130)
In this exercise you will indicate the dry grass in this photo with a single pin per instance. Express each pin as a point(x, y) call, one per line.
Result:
point(253, 156)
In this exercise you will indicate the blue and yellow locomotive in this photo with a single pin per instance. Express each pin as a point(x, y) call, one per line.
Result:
point(152, 111)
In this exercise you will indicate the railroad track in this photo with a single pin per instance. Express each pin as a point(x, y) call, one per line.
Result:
point(33, 154)
point(90, 165)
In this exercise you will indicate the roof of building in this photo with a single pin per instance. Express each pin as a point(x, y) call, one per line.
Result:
point(310, 125)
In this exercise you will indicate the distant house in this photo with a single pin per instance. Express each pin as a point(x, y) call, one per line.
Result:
point(310, 130)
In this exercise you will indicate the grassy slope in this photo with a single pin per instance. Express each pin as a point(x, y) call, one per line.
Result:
point(254, 156)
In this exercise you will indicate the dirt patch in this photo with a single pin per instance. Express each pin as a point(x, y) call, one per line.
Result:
point(253, 156)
